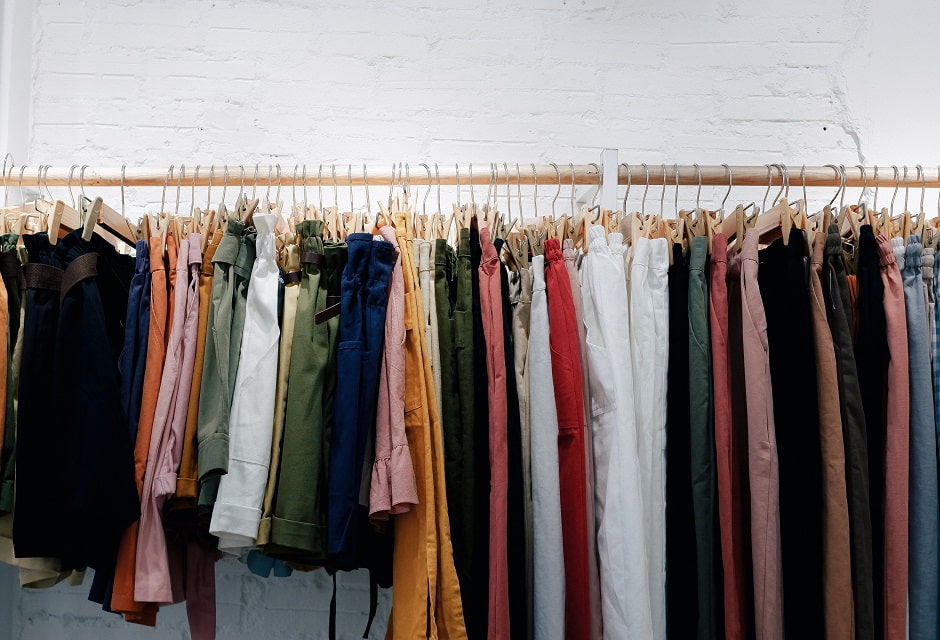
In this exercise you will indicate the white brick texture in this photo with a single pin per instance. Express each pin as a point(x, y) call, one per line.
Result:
point(148, 82)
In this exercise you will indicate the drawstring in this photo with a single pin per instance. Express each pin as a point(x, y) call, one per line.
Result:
point(373, 602)
point(333, 611)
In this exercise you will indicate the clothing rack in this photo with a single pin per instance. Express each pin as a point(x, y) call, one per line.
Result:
point(632, 173)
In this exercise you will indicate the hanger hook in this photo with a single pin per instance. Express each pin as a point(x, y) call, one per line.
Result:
point(457, 180)
point(838, 177)
point(320, 186)
point(293, 187)
point(730, 184)
point(437, 178)
point(508, 190)
point(803, 182)
point(646, 171)
point(209, 189)
point(166, 179)
point(335, 190)
point(571, 167)
point(277, 194)
point(861, 168)
point(67, 184)
point(123, 167)
point(907, 188)
point(424, 203)
point(224, 182)
point(923, 186)
point(472, 200)
point(662, 194)
point(841, 186)
point(267, 193)
point(897, 185)
point(769, 183)
point(192, 193)
point(874, 204)
point(241, 186)
point(81, 179)
point(352, 205)
point(19, 185)
point(629, 180)
point(179, 183)
point(5, 190)
point(519, 190)
point(365, 183)
point(597, 170)
point(784, 182)
point(303, 186)
point(675, 200)
point(698, 178)
point(535, 192)
point(558, 190)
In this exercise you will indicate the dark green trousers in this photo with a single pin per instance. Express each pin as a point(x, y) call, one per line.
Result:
point(702, 432)
point(231, 273)
point(298, 526)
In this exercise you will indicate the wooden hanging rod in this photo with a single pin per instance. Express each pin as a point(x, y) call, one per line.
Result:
point(546, 174)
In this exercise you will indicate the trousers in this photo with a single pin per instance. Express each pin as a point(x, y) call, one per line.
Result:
point(838, 312)
point(704, 487)
point(649, 322)
point(731, 473)
point(681, 549)
point(763, 468)
point(782, 282)
point(618, 499)
point(837, 558)
point(566, 377)
point(924, 532)
point(492, 316)
point(897, 447)
point(547, 546)
point(365, 284)
point(232, 263)
point(298, 526)
point(237, 513)
point(426, 599)
point(871, 355)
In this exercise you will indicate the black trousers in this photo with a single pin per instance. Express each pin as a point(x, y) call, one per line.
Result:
point(681, 564)
point(871, 356)
point(75, 490)
point(838, 311)
point(476, 617)
point(12, 277)
point(516, 534)
point(782, 276)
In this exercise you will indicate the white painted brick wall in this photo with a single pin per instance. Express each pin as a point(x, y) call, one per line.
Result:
point(151, 82)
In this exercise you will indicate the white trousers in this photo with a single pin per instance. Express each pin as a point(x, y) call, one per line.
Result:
point(649, 333)
point(548, 552)
point(237, 511)
point(622, 543)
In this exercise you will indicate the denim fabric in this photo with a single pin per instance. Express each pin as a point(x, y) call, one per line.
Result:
point(924, 502)
point(362, 328)
point(134, 355)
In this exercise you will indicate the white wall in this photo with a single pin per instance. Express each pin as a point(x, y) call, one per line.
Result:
point(708, 81)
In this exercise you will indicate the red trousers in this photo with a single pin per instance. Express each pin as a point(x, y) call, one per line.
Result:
point(569, 403)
